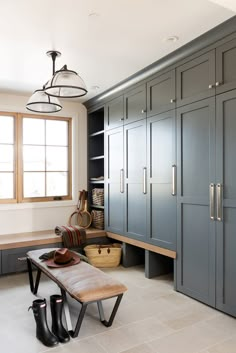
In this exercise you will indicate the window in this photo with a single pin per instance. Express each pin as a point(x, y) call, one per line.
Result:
point(35, 158)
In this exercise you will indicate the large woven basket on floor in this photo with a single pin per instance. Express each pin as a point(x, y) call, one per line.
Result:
point(98, 197)
point(104, 255)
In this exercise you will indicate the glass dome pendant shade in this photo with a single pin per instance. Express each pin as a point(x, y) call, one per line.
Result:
point(40, 102)
point(66, 84)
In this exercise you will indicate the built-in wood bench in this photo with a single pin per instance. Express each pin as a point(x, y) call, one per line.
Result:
point(13, 247)
point(83, 282)
point(157, 260)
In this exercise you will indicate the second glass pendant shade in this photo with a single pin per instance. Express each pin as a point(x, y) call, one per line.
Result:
point(65, 84)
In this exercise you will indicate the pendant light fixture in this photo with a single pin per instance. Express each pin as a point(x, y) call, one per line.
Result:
point(40, 102)
point(64, 83)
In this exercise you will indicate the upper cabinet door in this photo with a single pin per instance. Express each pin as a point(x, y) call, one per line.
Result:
point(161, 94)
point(114, 113)
point(225, 67)
point(135, 104)
point(196, 79)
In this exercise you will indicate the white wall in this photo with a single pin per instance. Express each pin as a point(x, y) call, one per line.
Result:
point(27, 217)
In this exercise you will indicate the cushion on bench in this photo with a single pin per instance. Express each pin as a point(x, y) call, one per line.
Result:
point(83, 282)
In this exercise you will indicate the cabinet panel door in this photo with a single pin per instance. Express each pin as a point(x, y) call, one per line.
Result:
point(225, 175)
point(135, 104)
point(225, 67)
point(135, 169)
point(195, 230)
point(161, 209)
point(161, 94)
point(114, 113)
point(114, 197)
point(196, 79)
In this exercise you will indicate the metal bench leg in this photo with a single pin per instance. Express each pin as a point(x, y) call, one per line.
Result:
point(33, 287)
point(114, 311)
point(36, 285)
point(79, 322)
point(66, 310)
point(100, 310)
point(31, 281)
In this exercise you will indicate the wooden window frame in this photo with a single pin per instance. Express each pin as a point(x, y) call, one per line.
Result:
point(18, 159)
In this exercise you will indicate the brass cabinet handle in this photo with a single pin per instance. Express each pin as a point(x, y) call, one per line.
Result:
point(122, 181)
point(212, 200)
point(174, 169)
point(144, 180)
point(219, 202)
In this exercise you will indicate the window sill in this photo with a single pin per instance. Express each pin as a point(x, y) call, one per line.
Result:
point(30, 205)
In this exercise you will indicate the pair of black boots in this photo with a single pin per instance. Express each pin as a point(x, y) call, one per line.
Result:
point(59, 333)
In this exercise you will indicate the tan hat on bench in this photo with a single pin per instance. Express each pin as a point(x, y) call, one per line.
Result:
point(63, 258)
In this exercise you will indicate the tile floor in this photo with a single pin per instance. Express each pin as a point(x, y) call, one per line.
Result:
point(152, 318)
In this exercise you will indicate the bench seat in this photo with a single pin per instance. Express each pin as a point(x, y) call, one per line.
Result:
point(82, 282)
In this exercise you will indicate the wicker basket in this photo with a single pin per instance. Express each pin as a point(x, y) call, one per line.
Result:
point(104, 255)
point(98, 197)
point(98, 219)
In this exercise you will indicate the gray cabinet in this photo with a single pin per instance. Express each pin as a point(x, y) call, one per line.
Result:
point(161, 157)
point(161, 93)
point(135, 180)
point(225, 67)
point(114, 113)
point(14, 260)
point(135, 104)
point(225, 208)
point(114, 187)
point(196, 79)
point(196, 171)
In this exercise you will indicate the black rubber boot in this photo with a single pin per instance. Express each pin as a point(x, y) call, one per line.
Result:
point(42, 331)
point(56, 303)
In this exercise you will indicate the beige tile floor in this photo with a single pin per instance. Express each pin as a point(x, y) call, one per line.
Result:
point(152, 318)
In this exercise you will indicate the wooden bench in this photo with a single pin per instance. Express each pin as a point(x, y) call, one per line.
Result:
point(83, 282)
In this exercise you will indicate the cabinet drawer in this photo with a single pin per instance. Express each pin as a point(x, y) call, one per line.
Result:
point(196, 79)
point(13, 259)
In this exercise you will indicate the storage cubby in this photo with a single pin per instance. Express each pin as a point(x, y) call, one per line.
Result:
point(95, 154)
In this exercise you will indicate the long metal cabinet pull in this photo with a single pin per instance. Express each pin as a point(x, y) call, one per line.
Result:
point(173, 193)
point(144, 180)
point(212, 200)
point(122, 181)
point(219, 199)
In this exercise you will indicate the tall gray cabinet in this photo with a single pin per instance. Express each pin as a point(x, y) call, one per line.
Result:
point(170, 165)
point(225, 202)
point(196, 172)
point(140, 172)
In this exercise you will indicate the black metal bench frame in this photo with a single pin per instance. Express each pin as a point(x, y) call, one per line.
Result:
point(73, 333)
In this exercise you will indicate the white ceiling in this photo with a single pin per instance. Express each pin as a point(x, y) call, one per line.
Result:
point(105, 41)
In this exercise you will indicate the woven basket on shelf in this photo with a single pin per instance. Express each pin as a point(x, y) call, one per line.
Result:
point(98, 219)
point(104, 255)
point(98, 197)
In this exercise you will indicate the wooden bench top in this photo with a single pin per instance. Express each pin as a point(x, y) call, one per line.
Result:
point(21, 240)
point(82, 282)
